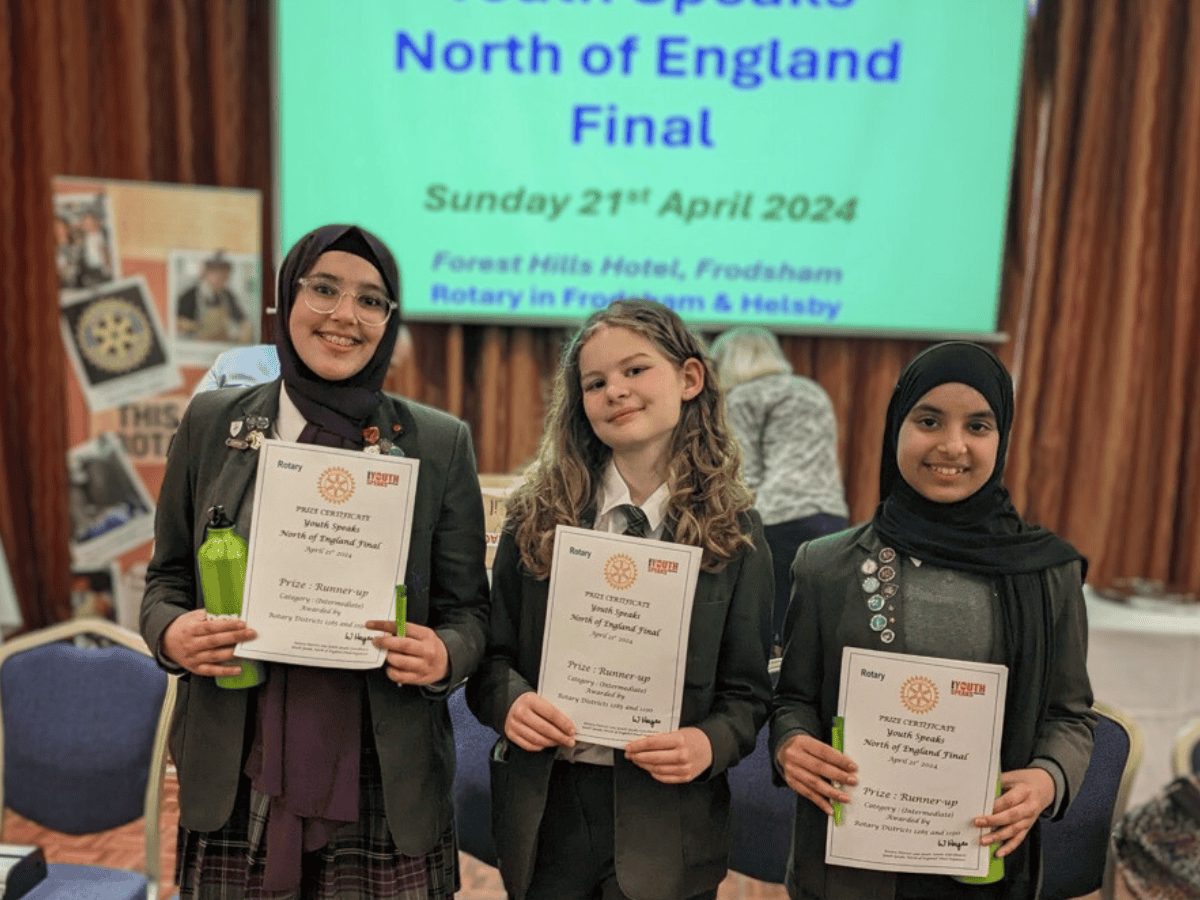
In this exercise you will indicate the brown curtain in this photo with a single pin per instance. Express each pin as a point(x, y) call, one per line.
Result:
point(1102, 267)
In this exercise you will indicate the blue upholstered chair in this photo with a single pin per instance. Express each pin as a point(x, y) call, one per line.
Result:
point(1185, 760)
point(762, 817)
point(472, 781)
point(1075, 849)
point(762, 812)
point(83, 747)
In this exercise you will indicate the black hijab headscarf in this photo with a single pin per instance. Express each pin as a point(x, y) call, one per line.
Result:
point(335, 410)
point(982, 533)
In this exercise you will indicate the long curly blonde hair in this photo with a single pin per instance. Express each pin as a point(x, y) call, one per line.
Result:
point(706, 495)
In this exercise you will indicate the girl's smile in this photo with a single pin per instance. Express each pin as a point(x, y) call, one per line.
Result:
point(623, 416)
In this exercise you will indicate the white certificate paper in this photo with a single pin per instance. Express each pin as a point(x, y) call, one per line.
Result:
point(615, 644)
point(925, 733)
point(328, 545)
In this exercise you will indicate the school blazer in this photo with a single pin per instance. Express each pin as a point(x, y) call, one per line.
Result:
point(447, 591)
point(672, 841)
point(827, 613)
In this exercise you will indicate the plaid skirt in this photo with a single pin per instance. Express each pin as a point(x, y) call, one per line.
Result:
point(360, 862)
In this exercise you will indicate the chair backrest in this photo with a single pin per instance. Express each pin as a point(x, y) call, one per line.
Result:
point(473, 743)
point(1185, 760)
point(83, 731)
point(762, 817)
point(1075, 857)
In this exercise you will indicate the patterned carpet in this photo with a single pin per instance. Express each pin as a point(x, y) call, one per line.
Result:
point(124, 848)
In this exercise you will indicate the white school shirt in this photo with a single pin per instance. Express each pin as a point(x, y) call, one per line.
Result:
point(290, 421)
point(613, 493)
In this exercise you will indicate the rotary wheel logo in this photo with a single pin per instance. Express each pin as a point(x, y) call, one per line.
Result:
point(114, 335)
point(336, 485)
point(919, 695)
point(620, 571)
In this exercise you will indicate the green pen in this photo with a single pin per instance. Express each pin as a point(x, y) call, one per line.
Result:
point(839, 744)
point(401, 610)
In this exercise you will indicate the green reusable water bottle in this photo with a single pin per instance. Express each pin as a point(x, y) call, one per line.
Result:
point(995, 863)
point(222, 559)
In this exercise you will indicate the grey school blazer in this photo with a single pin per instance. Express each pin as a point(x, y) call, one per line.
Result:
point(672, 841)
point(447, 591)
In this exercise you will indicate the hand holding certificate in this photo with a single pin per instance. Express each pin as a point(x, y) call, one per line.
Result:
point(328, 545)
point(925, 734)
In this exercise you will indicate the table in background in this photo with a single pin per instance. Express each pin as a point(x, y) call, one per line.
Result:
point(1146, 663)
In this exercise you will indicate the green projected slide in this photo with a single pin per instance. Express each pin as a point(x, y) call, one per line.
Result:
point(826, 166)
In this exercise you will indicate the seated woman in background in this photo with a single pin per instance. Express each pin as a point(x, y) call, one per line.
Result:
point(788, 436)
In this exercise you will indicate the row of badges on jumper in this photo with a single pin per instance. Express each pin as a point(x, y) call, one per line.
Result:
point(256, 428)
point(880, 586)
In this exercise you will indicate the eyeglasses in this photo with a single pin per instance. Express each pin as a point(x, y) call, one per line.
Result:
point(324, 295)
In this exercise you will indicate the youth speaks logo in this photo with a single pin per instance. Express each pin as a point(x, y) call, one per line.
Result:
point(335, 485)
point(382, 479)
point(967, 688)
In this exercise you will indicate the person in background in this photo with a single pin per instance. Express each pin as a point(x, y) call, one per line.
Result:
point(320, 782)
point(68, 253)
point(787, 431)
point(946, 568)
point(96, 260)
point(208, 310)
point(635, 442)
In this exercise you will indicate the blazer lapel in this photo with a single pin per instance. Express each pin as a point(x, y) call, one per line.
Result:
point(235, 483)
point(398, 427)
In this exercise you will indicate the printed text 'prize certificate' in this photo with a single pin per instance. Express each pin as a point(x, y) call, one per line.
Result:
point(925, 733)
point(328, 545)
point(615, 644)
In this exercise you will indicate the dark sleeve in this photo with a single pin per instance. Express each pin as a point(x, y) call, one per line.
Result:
point(498, 682)
point(1065, 734)
point(742, 690)
point(171, 588)
point(186, 307)
point(458, 577)
point(797, 700)
point(236, 313)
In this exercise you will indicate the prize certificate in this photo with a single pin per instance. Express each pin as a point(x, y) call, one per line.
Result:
point(328, 545)
point(925, 734)
point(615, 644)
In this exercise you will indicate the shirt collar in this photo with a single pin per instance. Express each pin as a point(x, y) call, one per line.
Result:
point(614, 491)
point(290, 421)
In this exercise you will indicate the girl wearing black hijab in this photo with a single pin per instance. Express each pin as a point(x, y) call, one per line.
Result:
point(320, 781)
point(946, 568)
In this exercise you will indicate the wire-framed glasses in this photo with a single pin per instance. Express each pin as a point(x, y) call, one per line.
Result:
point(323, 295)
